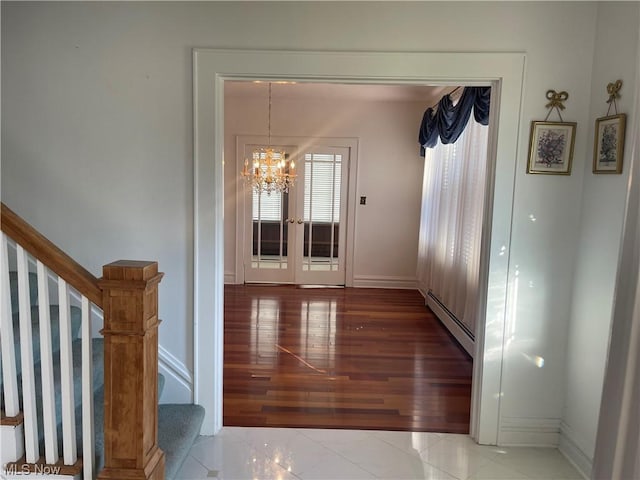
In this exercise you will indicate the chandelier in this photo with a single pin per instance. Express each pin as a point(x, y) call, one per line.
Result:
point(271, 170)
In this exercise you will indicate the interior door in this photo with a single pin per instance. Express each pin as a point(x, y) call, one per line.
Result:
point(300, 237)
point(321, 216)
point(269, 234)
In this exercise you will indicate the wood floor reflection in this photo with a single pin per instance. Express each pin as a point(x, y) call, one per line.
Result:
point(341, 358)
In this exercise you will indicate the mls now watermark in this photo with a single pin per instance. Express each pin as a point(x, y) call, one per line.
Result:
point(30, 469)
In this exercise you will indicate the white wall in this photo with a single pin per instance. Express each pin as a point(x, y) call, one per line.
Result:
point(617, 453)
point(97, 141)
point(603, 202)
point(389, 171)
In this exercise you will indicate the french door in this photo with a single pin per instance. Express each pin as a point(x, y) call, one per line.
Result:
point(299, 237)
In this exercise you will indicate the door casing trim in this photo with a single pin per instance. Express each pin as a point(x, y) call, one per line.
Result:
point(503, 71)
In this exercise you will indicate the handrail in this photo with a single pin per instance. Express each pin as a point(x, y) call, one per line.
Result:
point(44, 250)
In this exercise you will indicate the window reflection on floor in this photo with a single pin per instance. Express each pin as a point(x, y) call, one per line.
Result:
point(318, 332)
point(265, 320)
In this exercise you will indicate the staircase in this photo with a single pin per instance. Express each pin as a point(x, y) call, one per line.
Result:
point(53, 385)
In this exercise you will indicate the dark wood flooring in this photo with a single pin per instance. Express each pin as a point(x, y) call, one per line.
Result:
point(341, 358)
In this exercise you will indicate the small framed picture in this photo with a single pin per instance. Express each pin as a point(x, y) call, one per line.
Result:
point(608, 145)
point(551, 147)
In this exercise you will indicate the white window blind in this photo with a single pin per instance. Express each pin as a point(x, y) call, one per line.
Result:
point(322, 182)
point(267, 208)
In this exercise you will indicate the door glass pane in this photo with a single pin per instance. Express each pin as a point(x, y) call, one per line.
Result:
point(322, 184)
point(270, 231)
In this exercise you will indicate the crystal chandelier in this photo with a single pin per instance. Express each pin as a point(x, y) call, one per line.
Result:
point(271, 170)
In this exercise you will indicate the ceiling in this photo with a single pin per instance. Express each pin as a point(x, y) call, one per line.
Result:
point(321, 91)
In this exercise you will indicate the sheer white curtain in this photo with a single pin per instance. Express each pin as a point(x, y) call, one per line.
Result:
point(451, 222)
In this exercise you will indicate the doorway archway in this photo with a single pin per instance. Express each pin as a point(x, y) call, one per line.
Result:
point(503, 71)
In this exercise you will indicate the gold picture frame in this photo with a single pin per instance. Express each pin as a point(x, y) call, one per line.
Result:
point(551, 147)
point(608, 143)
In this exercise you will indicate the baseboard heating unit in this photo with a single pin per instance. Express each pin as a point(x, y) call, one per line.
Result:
point(459, 330)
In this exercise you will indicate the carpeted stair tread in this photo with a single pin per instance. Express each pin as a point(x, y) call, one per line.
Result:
point(98, 381)
point(75, 314)
point(76, 348)
point(76, 321)
point(178, 427)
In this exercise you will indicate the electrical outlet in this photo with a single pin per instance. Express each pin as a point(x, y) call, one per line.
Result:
point(363, 200)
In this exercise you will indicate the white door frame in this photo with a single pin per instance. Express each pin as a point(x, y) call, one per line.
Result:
point(503, 71)
point(303, 142)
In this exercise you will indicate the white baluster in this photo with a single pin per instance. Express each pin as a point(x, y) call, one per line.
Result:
point(46, 366)
point(32, 450)
point(9, 375)
point(88, 440)
point(69, 449)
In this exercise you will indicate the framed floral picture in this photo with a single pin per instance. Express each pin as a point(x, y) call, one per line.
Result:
point(551, 147)
point(609, 144)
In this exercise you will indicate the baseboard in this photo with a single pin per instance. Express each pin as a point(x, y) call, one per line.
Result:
point(423, 291)
point(459, 334)
point(229, 278)
point(178, 378)
point(573, 452)
point(529, 432)
point(375, 281)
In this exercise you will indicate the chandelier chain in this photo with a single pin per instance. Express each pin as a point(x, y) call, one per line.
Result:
point(269, 118)
point(271, 170)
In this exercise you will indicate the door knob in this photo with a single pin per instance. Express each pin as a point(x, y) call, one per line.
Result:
point(290, 220)
point(300, 222)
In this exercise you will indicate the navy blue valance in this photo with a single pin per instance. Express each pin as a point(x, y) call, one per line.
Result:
point(448, 120)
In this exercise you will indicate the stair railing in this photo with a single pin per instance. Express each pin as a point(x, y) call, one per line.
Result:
point(127, 294)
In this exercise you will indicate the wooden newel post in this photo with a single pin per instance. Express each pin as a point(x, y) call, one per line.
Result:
point(130, 304)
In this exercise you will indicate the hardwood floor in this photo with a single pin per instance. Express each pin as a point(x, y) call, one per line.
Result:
point(341, 358)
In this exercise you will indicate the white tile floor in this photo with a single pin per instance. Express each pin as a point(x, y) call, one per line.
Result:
point(289, 454)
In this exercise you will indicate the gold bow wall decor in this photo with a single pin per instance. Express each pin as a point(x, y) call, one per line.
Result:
point(613, 89)
point(556, 100)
